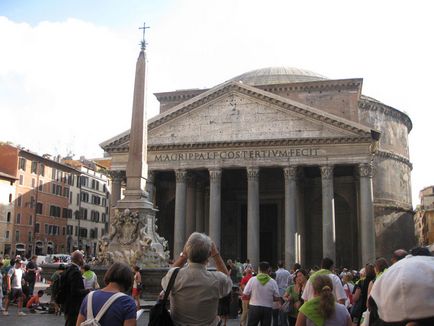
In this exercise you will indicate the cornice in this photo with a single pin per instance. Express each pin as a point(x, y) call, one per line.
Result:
point(366, 103)
point(261, 143)
point(312, 86)
point(393, 156)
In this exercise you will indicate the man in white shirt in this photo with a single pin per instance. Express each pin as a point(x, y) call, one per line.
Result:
point(338, 290)
point(14, 288)
point(262, 291)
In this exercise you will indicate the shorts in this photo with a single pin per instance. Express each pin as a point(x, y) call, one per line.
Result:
point(136, 292)
point(15, 294)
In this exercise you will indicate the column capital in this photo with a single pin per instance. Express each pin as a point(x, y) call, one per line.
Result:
point(327, 171)
point(117, 175)
point(365, 170)
point(290, 172)
point(215, 174)
point(252, 173)
point(181, 175)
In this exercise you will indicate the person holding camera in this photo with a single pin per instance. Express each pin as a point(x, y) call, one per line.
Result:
point(196, 291)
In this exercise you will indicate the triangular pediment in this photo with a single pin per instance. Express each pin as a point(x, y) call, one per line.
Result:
point(237, 112)
point(234, 112)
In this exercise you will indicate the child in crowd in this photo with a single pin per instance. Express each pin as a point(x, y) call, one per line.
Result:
point(34, 303)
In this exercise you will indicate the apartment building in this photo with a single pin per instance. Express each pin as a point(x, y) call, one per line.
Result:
point(7, 197)
point(90, 205)
point(41, 202)
point(424, 217)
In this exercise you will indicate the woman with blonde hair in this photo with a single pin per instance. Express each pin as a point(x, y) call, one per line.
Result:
point(323, 310)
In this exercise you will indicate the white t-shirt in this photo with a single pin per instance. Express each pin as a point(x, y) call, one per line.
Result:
point(16, 280)
point(261, 295)
point(338, 289)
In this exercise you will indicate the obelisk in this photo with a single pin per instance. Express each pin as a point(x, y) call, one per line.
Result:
point(133, 238)
point(137, 168)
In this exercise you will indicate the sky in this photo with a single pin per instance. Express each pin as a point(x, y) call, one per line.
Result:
point(67, 67)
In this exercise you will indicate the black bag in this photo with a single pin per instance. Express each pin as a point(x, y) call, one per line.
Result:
point(61, 288)
point(159, 315)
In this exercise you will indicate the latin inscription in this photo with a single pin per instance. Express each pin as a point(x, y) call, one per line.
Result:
point(236, 155)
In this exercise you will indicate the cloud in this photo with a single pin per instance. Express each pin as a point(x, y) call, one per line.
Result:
point(63, 83)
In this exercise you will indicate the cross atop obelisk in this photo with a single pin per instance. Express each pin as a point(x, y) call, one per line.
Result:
point(137, 168)
point(143, 42)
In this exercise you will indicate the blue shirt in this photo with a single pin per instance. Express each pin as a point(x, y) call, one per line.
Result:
point(122, 308)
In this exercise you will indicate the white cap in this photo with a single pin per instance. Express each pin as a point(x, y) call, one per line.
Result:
point(406, 290)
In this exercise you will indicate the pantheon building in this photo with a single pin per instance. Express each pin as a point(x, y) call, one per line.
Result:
point(278, 164)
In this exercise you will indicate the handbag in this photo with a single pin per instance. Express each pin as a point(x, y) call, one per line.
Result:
point(356, 309)
point(286, 307)
point(159, 315)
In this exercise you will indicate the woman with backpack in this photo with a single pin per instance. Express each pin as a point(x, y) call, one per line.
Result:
point(110, 306)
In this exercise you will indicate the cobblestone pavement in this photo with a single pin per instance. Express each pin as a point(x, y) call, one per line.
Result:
point(38, 319)
point(51, 320)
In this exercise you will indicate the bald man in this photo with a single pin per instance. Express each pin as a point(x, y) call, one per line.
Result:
point(75, 291)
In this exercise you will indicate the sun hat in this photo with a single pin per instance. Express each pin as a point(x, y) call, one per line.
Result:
point(406, 290)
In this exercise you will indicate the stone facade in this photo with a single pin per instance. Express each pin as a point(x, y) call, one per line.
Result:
point(297, 170)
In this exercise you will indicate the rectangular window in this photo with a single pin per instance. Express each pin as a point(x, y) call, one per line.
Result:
point(59, 190)
point(55, 211)
point(83, 213)
point(7, 235)
point(34, 167)
point(96, 200)
point(83, 232)
point(76, 231)
point(70, 197)
point(21, 180)
point(53, 188)
point(32, 202)
point(63, 231)
point(40, 185)
point(22, 163)
point(18, 218)
point(103, 218)
point(104, 202)
point(30, 220)
point(84, 197)
point(42, 169)
point(8, 219)
point(39, 208)
point(69, 229)
point(66, 192)
point(46, 228)
point(53, 174)
point(37, 228)
point(30, 237)
point(19, 200)
point(33, 182)
point(17, 236)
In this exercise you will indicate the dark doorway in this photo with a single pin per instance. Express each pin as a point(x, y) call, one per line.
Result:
point(268, 233)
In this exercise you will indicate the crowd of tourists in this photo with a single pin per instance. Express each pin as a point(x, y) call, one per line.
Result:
point(399, 291)
point(203, 289)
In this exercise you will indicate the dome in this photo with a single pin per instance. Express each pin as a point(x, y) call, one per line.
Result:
point(277, 75)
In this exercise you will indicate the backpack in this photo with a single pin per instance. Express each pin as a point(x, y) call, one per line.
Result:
point(94, 321)
point(159, 315)
point(61, 288)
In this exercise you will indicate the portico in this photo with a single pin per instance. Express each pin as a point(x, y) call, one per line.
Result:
point(266, 176)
